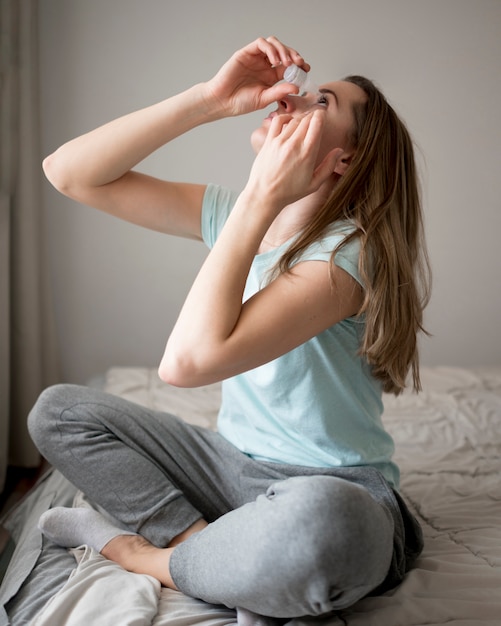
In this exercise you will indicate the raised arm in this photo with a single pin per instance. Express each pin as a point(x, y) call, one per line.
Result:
point(97, 168)
point(216, 335)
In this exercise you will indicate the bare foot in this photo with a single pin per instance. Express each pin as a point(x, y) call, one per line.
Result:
point(135, 554)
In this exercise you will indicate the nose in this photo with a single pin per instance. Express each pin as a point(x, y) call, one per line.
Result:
point(301, 103)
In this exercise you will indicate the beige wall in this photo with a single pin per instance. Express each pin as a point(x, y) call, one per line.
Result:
point(118, 288)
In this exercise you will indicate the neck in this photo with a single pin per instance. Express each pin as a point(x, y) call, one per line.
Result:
point(292, 220)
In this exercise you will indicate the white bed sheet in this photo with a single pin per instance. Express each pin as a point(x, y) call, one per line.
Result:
point(448, 446)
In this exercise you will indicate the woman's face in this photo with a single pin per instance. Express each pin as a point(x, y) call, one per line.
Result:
point(336, 98)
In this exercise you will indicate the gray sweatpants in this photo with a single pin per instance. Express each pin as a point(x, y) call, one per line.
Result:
point(283, 541)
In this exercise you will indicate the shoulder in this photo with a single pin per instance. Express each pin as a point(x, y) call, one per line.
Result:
point(332, 247)
point(218, 202)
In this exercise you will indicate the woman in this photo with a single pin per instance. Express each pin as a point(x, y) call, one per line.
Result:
point(307, 307)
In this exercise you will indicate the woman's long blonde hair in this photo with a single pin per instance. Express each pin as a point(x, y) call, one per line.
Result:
point(379, 193)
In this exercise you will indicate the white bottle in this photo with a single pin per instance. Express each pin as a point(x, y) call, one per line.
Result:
point(297, 76)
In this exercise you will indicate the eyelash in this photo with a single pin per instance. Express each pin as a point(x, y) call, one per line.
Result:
point(323, 100)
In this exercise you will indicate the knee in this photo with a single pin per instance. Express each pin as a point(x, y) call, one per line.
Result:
point(316, 544)
point(45, 416)
point(341, 540)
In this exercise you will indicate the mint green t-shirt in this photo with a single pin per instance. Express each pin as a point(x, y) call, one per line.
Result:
point(318, 405)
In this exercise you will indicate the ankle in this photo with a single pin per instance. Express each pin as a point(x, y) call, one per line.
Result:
point(122, 547)
point(191, 530)
point(136, 554)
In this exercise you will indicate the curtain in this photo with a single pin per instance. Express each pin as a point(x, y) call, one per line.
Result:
point(27, 345)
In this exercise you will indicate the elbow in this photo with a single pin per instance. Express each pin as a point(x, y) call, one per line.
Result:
point(190, 366)
point(170, 375)
point(50, 169)
point(180, 371)
point(56, 172)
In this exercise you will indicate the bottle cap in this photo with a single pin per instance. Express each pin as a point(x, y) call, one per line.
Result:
point(295, 75)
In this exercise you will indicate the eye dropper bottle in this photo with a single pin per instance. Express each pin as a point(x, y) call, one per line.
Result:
point(297, 76)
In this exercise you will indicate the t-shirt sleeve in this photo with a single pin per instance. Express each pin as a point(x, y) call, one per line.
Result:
point(346, 258)
point(218, 203)
point(216, 206)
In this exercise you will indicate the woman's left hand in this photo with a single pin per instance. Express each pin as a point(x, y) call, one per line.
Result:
point(287, 167)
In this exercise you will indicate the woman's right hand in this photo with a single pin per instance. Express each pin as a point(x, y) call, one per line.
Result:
point(248, 80)
point(288, 166)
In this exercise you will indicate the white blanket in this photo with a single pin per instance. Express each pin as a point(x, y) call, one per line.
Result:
point(99, 592)
point(449, 449)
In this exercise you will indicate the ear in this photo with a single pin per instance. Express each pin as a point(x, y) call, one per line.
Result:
point(343, 163)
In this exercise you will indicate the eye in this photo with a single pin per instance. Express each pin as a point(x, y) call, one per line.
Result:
point(323, 100)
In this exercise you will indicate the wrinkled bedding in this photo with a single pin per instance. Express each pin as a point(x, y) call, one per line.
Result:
point(448, 446)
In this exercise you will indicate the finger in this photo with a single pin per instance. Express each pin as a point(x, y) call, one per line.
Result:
point(272, 49)
point(276, 93)
point(282, 90)
point(314, 128)
point(287, 126)
point(283, 126)
point(294, 133)
point(288, 55)
point(292, 129)
point(282, 50)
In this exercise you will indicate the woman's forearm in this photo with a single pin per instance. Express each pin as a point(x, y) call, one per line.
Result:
point(210, 340)
point(247, 82)
point(196, 347)
point(108, 152)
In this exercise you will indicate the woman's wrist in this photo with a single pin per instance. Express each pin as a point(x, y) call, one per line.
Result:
point(204, 105)
point(258, 208)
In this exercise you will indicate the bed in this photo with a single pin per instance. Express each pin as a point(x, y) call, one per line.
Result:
point(448, 446)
